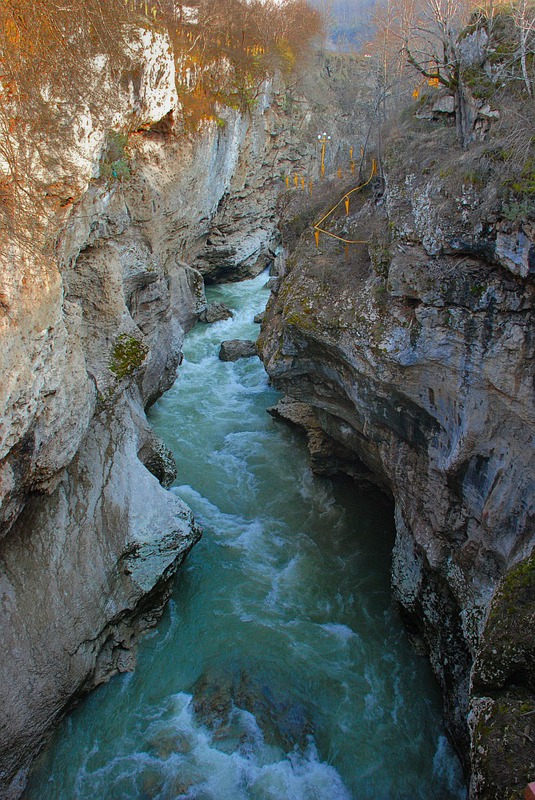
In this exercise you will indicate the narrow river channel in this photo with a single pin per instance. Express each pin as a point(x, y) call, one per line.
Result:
point(280, 670)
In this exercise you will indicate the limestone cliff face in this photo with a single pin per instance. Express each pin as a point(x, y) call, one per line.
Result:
point(92, 330)
point(414, 353)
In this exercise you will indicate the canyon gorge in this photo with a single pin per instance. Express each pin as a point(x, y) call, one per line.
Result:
point(407, 359)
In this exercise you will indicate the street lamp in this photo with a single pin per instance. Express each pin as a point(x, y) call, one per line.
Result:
point(323, 138)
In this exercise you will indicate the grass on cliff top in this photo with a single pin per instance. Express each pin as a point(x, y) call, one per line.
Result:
point(499, 163)
point(499, 169)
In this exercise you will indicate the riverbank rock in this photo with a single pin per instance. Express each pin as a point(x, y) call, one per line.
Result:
point(327, 456)
point(234, 349)
point(215, 312)
point(502, 708)
point(273, 284)
point(420, 363)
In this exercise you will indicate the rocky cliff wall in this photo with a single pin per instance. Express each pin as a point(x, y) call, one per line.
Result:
point(413, 355)
point(90, 539)
point(92, 327)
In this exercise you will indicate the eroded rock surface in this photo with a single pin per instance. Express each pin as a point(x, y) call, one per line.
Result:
point(84, 572)
point(90, 337)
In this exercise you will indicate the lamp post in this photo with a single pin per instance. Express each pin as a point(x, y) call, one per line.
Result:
point(323, 138)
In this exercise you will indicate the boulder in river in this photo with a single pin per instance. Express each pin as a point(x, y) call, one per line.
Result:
point(233, 349)
point(214, 312)
point(220, 695)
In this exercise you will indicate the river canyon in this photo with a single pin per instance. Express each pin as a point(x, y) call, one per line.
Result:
point(282, 632)
point(284, 664)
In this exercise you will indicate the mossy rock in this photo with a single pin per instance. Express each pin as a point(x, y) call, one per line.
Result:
point(479, 82)
point(127, 355)
point(503, 680)
point(503, 755)
point(114, 162)
point(507, 652)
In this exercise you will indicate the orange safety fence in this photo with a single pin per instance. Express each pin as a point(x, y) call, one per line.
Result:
point(345, 199)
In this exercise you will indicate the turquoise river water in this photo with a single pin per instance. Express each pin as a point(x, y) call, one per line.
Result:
point(280, 670)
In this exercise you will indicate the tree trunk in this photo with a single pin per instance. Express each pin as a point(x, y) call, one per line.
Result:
point(465, 115)
point(523, 54)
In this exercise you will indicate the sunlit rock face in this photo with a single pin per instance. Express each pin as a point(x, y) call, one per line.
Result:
point(91, 332)
point(413, 353)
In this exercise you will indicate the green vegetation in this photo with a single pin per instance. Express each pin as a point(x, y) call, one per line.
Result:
point(475, 177)
point(506, 651)
point(503, 753)
point(479, 83)
point(516, 211)
point(380, 257)
point(477, 290)
point(520, 193)
point(504, 674)
point(525, 182)
point(127, 355)
point(519, 584)
point(114, 162)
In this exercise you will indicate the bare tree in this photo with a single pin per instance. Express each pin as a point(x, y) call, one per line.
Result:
point(432, 47)
point(523, 14)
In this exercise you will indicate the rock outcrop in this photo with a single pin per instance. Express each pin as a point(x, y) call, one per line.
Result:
point(414, 353)
point(91, 335)
point(85, 570)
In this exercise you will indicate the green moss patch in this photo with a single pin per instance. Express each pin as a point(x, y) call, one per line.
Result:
point(506, 657)
point(479, 82)
point(504, 671)
point(503, 747)
point(518, 587)
point(127, 355)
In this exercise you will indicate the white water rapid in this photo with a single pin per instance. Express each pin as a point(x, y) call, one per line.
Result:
point(280, 670)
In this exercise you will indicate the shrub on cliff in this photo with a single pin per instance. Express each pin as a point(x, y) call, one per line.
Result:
point(50, 53)
point(228, 48)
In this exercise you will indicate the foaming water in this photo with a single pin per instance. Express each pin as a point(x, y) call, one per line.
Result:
point(280, 670)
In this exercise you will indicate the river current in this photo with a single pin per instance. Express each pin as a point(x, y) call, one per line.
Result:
point(280, 670)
